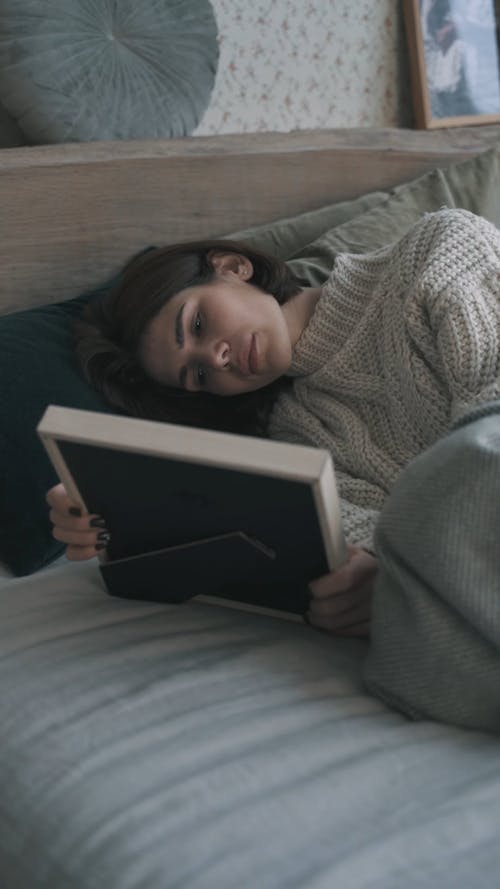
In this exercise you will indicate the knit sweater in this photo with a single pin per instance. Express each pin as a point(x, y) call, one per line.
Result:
point(402, 342)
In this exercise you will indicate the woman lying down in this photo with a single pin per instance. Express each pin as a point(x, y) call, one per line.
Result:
point(394, 366)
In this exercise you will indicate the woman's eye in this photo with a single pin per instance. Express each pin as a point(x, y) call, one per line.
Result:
point(201, 375)
point(197, 324)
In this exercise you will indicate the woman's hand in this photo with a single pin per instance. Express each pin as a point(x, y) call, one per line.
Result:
point(341, 601)
point(84, 534)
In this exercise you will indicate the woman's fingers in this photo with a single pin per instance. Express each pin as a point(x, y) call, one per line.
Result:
point(85, 523)
point(83, 544)
point(83, 533)
point(79, 537)
point(360, 567)
point(58, 499)
point(81, 553)
point(341, 613)
point(341, 601)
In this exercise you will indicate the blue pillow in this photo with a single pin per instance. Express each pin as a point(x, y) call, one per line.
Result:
point(37, 368)
point(81, 70)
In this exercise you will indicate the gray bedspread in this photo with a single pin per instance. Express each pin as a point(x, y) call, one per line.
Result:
point(153, 747)
point(435, 648)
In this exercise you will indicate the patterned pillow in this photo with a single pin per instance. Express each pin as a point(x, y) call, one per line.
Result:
point(81, 70)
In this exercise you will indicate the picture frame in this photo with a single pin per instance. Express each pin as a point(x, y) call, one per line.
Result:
point(454, 56)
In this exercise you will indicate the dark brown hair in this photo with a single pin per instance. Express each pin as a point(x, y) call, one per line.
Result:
point(110, 329)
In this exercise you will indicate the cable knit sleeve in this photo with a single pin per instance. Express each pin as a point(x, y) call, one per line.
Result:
point(291, 424)
point(402, 343)
point(359, 524)
point(462, 298)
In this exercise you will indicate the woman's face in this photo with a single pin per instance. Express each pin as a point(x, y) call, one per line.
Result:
point(226, 337)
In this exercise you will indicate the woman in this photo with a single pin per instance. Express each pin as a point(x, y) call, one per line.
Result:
point(376, 365)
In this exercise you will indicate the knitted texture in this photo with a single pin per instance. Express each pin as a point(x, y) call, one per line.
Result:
point(402, 342)
point(435, 628)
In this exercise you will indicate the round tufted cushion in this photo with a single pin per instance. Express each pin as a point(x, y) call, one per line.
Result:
point(82, 70)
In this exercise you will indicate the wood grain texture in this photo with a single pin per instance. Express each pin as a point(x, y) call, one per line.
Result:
point(71, 214)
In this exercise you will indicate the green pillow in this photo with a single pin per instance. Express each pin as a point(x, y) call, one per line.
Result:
point(285, 236)
point(473, 184)
point(37, 365)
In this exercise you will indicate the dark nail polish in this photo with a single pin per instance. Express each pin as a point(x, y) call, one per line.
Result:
point(76, 511)
point(104, 536)
point(98, 522)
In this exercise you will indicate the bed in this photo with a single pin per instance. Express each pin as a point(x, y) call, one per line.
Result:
point(145, 746)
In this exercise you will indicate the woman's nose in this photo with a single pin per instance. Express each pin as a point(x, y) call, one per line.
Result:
point(219, 354)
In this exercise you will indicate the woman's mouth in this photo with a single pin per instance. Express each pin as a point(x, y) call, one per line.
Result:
point(253, 356)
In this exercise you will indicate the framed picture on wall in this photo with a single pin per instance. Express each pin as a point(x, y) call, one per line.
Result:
point(454, 61)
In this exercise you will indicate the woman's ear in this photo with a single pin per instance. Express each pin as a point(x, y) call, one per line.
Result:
point(232, 263)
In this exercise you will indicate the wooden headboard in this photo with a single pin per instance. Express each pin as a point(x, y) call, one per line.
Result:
point(72, 214)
